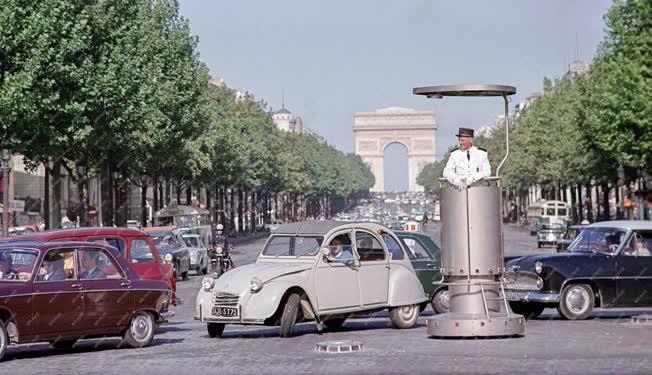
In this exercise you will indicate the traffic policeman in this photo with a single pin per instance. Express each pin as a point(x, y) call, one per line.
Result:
point(466, 164)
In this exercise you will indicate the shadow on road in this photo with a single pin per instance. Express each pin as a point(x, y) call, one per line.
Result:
point(84, 346)
point(311, 329)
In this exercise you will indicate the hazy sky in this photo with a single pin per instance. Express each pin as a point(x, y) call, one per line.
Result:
point(334, 58)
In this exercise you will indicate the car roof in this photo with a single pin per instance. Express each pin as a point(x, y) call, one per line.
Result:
point(307, 227)
point(51, 235)
point(624, 224)
point(408, 233)
point(323, 227)
point(43, 245)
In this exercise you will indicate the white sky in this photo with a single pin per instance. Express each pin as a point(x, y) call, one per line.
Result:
point(334, 58)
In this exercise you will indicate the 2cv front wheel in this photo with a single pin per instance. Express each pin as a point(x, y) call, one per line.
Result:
point(404, 316)
point(290, 315)
point(215, 329)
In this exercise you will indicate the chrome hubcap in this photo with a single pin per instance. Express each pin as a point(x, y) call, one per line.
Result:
point(577, 300)
point(444, 299)
point(140, 328)
point(407, 312)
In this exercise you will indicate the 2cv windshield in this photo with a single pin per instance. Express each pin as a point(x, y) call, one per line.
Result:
point(279, 245)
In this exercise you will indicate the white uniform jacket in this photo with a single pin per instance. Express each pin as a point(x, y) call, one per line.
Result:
point(462, 171)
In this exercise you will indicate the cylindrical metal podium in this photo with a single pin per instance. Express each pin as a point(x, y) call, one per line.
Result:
point(472, 244)
point(472, 263)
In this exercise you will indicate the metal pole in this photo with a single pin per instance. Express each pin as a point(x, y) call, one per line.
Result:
point(506, 136)
point(5, 201)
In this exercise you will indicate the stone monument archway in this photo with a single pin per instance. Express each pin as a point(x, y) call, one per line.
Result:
point(374, 131)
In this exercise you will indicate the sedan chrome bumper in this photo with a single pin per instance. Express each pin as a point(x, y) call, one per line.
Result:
point(531, 296)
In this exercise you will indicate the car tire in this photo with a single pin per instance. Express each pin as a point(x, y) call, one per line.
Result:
point(335, 324)
point(204, 270)
point(403, 317)
point(141, 330)
point(4, 340)
point(63, 344)
point(576, 302)
point(539, 244)
point(175, 272)
point(440, 302)
point(215, 329)
point(528, 310)
point(290, 315)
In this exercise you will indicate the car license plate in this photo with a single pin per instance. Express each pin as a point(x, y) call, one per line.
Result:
point(227, 312)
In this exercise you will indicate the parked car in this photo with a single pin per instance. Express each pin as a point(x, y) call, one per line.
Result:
point(549, 235)
point(273, 225)
point(425, 257)
point(198, 253)
point(59, 292)
point(172, 249)
point(411, 226)
point(571, 233)
point(608, 265)
point(315, 271)
point(136, 247)
point(133, 224)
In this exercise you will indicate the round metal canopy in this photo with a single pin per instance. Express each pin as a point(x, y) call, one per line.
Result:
point(464, 90)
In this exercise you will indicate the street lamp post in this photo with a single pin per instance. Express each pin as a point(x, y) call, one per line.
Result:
point(143, 200)
point(81, 172)
point(115, 176)
point(6, 158)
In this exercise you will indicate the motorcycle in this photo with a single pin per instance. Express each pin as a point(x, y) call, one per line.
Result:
point(220, 260)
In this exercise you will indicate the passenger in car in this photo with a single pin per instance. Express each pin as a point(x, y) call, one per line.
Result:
point(6, 270)
point(89, 262)
point(52, 268)
point(641, 248)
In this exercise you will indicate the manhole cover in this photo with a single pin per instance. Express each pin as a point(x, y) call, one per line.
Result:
point(345, 346)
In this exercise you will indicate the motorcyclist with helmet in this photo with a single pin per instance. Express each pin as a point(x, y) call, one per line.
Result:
point(221, 241)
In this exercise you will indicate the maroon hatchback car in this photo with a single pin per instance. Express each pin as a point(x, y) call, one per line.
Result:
point(60, 292)
point(137, 247)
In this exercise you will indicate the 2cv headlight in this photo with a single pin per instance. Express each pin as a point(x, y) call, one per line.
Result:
point(538, 268)
point(168, 258)
point(255, 284)
point(207, 283)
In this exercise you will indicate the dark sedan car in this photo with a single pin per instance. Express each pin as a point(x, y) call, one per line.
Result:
point(549, 235)
point(425, 257)
point(571, 233)
point(608, 265)
point(173, 250)
point(59, 292)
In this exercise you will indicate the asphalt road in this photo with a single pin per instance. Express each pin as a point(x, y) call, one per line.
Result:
point(607, 343)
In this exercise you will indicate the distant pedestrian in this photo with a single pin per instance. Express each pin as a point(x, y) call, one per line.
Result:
point(466, 164)
point(425, 219)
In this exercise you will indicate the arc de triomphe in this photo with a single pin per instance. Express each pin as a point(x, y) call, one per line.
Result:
point(374, 131)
